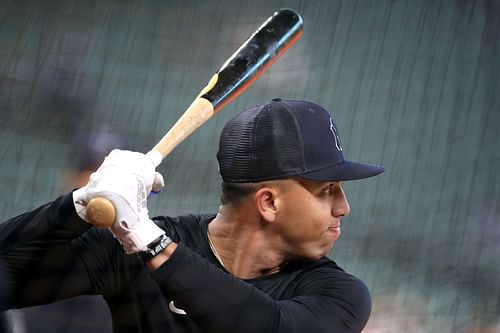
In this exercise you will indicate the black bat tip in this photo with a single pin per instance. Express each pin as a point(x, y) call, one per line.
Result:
point(288, 12)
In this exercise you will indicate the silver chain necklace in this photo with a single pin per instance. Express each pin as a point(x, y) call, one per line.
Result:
point(214, 250)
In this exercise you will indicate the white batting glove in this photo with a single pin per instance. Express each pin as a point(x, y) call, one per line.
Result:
point(125, 178)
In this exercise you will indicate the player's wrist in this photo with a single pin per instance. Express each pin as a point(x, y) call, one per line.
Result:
point(162, 257)
point(155, 248)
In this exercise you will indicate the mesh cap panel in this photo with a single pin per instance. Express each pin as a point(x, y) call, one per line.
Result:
point(259, 144)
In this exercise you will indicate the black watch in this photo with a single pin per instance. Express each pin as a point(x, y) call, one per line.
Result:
point(154, 248)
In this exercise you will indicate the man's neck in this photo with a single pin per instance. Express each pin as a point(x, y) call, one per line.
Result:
point(243, 244)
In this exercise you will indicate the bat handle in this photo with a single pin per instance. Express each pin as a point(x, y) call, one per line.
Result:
point(100, 211)
point(195, 115)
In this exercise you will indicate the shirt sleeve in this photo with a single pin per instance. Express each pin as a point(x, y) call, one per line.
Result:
point(42, 264)
point(338, 301)
point(220, 302)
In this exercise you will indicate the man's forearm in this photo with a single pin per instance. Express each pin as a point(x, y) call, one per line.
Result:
point(33, 249)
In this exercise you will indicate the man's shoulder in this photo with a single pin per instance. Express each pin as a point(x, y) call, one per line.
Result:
point(310, 275)
point(345, 290)
point(185, 219)
point(323, 264)
point(325, 271)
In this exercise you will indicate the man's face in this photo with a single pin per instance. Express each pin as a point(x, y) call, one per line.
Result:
point(309, 217)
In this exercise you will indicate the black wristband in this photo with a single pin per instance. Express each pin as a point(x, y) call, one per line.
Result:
point(154, 248)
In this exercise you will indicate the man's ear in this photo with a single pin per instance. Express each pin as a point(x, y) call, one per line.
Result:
point(266, 203)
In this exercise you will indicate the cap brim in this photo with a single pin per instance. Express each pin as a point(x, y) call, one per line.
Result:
point(346, 170)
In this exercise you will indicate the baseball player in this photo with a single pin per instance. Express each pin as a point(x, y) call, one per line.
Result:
point(258, 264)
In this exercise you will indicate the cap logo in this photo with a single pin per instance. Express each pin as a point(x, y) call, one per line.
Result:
point(336, 137)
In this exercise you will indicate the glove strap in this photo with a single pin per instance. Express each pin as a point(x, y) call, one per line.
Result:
point(154, 248)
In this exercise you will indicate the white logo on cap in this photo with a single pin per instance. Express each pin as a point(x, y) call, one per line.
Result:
point(338, 144)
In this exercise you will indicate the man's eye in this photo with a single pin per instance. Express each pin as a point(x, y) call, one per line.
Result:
point(331, 188)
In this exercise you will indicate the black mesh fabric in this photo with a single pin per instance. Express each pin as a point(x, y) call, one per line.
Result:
point(261, 143)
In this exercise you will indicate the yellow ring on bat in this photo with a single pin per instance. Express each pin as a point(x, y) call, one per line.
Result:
point(210, 85)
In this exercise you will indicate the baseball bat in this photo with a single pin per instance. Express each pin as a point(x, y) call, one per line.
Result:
point(273, 38)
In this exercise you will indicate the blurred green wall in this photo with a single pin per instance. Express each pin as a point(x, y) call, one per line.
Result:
point(413, 85)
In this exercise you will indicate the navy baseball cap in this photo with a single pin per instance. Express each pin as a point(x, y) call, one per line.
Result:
point(283, 139)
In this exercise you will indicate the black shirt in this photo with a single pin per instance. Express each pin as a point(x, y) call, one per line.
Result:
point(51, 254)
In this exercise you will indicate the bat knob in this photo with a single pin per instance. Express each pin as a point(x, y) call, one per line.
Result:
point(101, 212)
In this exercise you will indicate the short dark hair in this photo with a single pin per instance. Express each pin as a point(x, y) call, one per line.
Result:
point(233, 193)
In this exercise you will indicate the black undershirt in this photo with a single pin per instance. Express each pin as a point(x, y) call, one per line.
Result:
point(50, 254)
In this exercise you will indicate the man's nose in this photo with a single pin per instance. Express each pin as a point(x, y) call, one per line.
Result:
point(340, 205)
